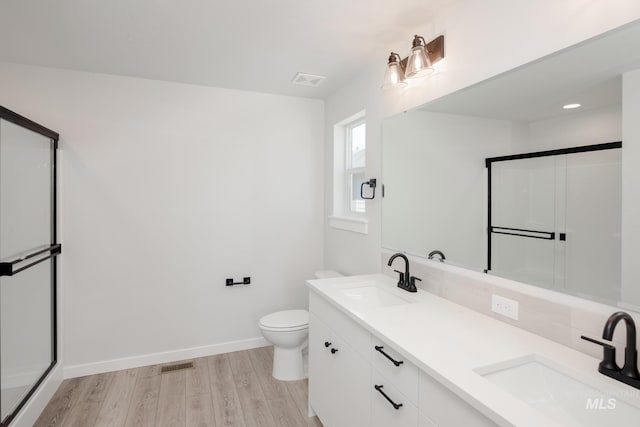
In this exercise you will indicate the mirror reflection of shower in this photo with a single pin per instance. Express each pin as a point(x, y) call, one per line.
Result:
point(555, 219)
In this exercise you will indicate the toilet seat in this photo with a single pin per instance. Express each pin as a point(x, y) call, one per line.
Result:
point(287, 320)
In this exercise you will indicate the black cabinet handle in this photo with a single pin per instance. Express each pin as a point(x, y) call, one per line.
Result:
point(327, 343)
point(396, 406)
point(334, 350)
point(395, 362)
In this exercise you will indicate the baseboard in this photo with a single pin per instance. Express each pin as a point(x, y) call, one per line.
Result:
point(163, 357)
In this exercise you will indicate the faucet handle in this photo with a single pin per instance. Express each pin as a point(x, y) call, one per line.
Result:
point(411, 284)
point(401, 278)
point(608, 355)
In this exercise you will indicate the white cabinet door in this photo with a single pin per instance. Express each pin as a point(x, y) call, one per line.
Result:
point(338, 379)
point(321, 374)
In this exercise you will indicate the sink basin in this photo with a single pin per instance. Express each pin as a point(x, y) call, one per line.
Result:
point(553, 390)
point(372, 296)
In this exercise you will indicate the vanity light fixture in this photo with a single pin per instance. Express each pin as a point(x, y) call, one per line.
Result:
point(418, 64)
point(394, 76)
point(571, 106)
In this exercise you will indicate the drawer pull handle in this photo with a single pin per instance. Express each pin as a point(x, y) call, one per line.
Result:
point(395, 405)
point(327, 343)
point(334, 350)
point(395, 362)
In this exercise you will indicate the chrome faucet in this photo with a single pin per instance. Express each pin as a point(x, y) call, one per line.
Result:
point(437, 252)
point(629, 372)
point(405, 281)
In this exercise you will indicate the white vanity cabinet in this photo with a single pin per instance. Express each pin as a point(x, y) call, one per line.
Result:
point(365, 381)
point(339, 375)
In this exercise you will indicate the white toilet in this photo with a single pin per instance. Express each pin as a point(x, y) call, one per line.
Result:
point(288, 331)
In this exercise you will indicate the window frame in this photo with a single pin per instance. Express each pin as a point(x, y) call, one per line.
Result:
point(342, 216)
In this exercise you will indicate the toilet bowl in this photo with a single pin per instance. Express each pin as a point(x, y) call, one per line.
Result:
point(288, 331)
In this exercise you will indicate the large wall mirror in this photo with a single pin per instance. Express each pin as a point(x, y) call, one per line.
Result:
point(502, 179)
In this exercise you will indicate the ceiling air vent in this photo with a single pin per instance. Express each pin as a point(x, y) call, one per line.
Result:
point(304, 79)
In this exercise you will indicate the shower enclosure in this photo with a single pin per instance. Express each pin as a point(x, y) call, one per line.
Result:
point(28, 250)
point(554, 219)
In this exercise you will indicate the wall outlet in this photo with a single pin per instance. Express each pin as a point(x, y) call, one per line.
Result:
point(504, 306)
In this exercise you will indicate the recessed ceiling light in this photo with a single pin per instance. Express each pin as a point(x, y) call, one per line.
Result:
point(304, 79)
point(571, 106)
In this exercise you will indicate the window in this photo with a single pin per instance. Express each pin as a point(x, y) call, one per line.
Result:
point(349, 209)
point(354, 165)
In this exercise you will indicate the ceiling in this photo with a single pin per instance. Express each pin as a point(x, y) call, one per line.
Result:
point(254, 45)
point(588, 73)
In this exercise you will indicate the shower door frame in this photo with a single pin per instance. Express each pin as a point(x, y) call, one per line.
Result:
point(532, 233)
point(55, 248)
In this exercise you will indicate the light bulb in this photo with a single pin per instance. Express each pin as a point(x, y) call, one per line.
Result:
point(418, 64)
point(394, 75)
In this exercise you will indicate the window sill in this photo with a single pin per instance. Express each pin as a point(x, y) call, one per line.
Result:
point(354, 224)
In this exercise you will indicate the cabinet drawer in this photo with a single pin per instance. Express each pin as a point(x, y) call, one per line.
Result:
point(445, 408)
point(383, 413)
point(341, 324)
point(400, 372)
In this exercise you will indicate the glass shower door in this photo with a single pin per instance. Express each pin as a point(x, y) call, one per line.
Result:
point(524, 218)
point(555, 219)
point(27, 260)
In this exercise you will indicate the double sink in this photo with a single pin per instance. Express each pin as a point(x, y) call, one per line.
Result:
point(562, 394)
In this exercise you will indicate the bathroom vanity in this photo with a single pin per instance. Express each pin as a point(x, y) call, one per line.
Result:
point(380, 356)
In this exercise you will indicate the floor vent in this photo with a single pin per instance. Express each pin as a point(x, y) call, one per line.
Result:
point(177, 367)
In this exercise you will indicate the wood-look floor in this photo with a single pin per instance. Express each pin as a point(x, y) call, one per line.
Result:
point(233, 389)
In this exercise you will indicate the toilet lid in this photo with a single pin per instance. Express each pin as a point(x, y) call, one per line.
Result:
point(286, 319)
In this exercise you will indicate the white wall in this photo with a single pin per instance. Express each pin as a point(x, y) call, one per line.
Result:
point(168, 189)
point(631, 187)
point(482, 39)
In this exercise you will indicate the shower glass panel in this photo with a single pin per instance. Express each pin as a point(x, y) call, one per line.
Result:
point(594, 224)
point(555, 219)
point(525, 218)
point(25, 186)
point(26, 332)
point(27, 259)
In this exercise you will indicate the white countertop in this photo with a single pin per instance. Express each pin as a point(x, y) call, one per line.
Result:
point(449, 341)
